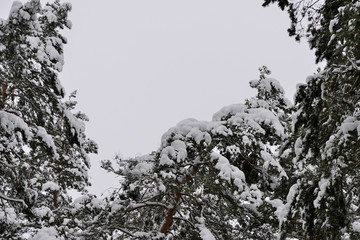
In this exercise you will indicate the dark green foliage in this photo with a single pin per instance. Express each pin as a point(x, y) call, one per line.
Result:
point(281, 3)
point(43, 147)
point(323, 150)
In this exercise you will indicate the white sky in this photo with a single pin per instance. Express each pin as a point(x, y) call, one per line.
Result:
point(141, 66)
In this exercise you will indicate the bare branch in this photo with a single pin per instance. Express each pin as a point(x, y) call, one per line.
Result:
point(184, 219)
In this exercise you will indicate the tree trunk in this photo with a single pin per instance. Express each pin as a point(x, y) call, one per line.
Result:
point(55, 198)
point(3, 96)
point(170, 214)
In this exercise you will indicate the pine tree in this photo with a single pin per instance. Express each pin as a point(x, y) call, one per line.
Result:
point(208, 180)
point(322, 200)
point(42, 145)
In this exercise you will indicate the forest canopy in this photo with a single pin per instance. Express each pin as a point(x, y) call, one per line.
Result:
point(266, 168)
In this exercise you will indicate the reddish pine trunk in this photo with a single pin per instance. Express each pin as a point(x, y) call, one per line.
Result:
point(3, 96)
point(55, 198)
point(170, 213)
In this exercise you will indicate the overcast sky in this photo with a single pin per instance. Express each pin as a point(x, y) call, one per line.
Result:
point(141, 66)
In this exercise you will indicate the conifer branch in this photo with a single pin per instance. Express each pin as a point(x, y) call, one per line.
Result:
point(10, 199)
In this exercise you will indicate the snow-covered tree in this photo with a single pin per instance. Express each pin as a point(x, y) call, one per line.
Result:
point(42, 145)
point(263, 169)
point(322, 199)
point(208, 180)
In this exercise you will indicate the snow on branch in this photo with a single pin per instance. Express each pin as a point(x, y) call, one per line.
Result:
point(148, 204)
point(2, 196)
point(228, 171)
point(9, 122)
